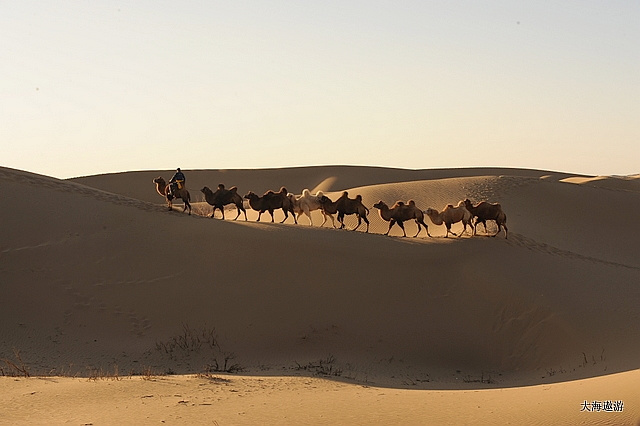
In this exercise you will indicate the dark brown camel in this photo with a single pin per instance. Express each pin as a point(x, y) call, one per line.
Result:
point(222, 197)
point(271, 201)
point(346, 206)
point(401, 212)
point(487, 211)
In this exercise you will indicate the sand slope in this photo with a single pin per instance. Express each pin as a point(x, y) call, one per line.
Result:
point(100, 281)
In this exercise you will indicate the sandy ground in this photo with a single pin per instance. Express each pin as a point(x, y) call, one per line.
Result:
point(100, 281)
point(232, 399)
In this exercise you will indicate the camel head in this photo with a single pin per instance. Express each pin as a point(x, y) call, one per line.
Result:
point(205, 190)
point(159, 180)
point(380, 205)
point(250, 195)
point(324, 199)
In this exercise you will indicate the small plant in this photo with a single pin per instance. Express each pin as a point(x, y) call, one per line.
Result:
point(203, 342)
point(324, 367)
point(100, 374)
point(224, 366)
point(482, 379)
point(148, 374)
point(17, 368)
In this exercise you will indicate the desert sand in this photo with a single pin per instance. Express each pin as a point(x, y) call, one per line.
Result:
point(120, 311)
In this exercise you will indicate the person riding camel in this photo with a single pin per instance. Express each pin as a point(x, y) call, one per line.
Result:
point(177, 182)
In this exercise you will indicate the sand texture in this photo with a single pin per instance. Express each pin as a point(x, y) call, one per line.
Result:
point(130, 313)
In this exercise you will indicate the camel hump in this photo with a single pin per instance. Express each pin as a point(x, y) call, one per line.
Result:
point(412, 203)
point(319, 194)
point(233, 189)
point(306, 193)
point(359, 197)
point(221, 186)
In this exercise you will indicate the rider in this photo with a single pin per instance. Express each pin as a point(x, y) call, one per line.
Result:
point(177, 181)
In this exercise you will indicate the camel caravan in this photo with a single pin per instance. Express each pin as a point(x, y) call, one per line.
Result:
point(465, 211)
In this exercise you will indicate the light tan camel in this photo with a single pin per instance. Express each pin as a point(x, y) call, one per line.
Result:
point(163, 189)
point(451, 215)
point(401, 212)
point(307, 202)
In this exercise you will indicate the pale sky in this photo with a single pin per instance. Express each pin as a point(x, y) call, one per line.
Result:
point(90, 87)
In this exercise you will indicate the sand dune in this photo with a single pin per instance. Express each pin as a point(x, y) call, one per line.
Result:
point(98, 276)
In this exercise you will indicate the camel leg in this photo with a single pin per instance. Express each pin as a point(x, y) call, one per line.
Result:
point(359, 223)
point(449, 230)
point(426, 228)
point(401, 225)
point(241, 208)
point(419, 228)
point(499, 228)
point(259, 215)
point(306, 211)
point(391, 223)
point(367, 222)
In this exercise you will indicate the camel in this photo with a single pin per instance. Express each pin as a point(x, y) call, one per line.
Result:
point(271, 201)
point(222, 197)
point(487, 211)
point(345, 206)
point(401, 212)
point(163, 189)
point(307, 202)
point(451, 215)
